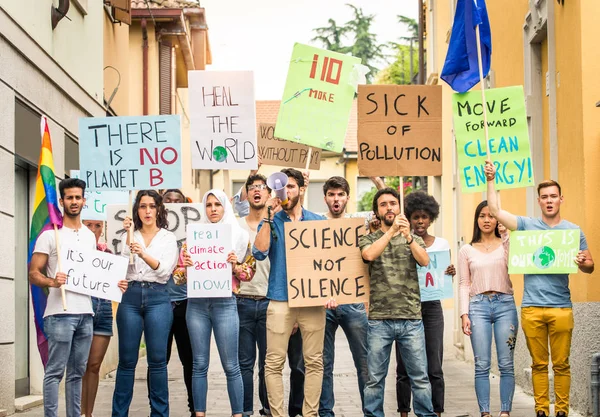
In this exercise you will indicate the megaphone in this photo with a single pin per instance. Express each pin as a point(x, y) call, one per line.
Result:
point(277, 182)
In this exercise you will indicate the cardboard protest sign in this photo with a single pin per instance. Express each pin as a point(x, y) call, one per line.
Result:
point(543, 251)
point(222, 119)
point(317, 98)
point(508, 138)
point(96, 201)
point(323, 261)
point(94, 273)
point(434, 283)
point(400, 130)
point(208, 246)
point(179, 216)
point(275, 151)
point(130, 153)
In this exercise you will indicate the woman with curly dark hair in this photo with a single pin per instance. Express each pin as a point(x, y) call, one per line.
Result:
point(422, 210)
point(146, 306)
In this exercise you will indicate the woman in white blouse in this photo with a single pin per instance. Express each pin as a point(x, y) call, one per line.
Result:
point(146, 306)
point(487, 308)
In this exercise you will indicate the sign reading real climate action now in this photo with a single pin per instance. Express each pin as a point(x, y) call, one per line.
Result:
point(399, 130)
point(508, 138)
point(130, 153)
point(543, 251)
point(317, 98)
point(324, 261)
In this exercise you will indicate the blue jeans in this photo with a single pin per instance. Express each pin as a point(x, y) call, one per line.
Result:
point(203, 315)
point(69, 340)
point(411, 340)
point(253, 334)
point(103, 317)
point(353, 320)
point(496, 313)
point(145, 307)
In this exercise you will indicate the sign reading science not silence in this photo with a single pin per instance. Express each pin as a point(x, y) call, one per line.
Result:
point(399, 130)
point(324, 261)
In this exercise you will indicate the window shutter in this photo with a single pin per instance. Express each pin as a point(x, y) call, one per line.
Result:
point(165, 52)
point(122, 10)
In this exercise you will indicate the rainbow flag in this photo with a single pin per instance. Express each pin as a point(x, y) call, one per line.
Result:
point(46, 214)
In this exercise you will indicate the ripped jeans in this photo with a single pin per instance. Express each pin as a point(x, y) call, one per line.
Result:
point(494, 314)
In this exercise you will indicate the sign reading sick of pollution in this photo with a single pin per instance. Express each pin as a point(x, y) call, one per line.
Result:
point(508, 138)
point(543, 251)
point(399, 130)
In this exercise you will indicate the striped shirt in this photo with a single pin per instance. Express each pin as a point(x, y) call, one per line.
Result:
point(481, 272)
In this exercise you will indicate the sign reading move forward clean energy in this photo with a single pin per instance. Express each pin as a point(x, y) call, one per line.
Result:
point(508, 138)
point(317, 98)
point(543, 251)
point(130, 153)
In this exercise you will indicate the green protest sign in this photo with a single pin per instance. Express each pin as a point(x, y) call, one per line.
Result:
point(317, 98)
point(543, 251)
point(508, 138)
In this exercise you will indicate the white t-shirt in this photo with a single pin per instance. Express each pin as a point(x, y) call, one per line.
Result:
point(82, 239)
point(260, 282)
point(439, 244)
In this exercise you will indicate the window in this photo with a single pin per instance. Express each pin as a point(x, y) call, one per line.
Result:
point(316, 202)
point(363, 186)
point(71, 154)
point(236, 185)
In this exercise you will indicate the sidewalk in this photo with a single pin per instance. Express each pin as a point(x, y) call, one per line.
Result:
point(460, 392)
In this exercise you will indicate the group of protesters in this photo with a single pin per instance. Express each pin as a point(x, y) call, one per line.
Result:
point(255, 326)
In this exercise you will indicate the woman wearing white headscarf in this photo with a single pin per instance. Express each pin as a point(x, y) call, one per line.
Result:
point(218, 314)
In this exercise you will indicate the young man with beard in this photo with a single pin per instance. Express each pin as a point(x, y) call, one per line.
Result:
point(69, 332)
point(546, 310)
point(395, 305)
point(252, 306)
point(280, 317)
point(351, 317)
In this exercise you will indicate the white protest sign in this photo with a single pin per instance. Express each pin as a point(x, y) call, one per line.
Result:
point(179, 216)
point(94, 273)
point(222, 119)
point(130, 153)
point(209, 245)
point(96, 201)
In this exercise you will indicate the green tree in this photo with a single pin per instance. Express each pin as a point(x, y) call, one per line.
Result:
point(400, 70)
point(366, 202)
point(363, 43)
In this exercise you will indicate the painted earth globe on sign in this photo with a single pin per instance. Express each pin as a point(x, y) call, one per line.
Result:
point(544, 257)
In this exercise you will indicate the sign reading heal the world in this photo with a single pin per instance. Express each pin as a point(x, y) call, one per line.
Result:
point(179, 216)
point(130, 153)
point(433, 281)
point(96, 202)
point(280, 152)
point(400, 130)
point(94, 273)
point(317, 97)
point(543, 251)
point(508, 138)
point(222, 119)
point(324, 261)
point(210, 275)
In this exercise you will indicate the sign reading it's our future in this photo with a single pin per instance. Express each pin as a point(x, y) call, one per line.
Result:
point(324, 261)
point(508, 142)
point(130, 153)
point(543, 251)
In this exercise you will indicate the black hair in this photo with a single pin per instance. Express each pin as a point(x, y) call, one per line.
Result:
point(381, 192)
point(476, 230)
point(176, 191)
point(419, 200)
point(161, 211)
point(256, 177)
point(335, 183)
point(295, 174)
point(71, 183)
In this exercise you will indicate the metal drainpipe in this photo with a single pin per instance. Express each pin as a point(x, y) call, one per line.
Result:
point(145, 67)
point(595, 384)
point(59, 12)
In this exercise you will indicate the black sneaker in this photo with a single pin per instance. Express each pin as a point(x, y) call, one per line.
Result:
point(540, 414)
point(561, 414)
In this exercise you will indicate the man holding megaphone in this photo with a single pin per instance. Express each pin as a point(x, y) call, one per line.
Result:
point(289, 187)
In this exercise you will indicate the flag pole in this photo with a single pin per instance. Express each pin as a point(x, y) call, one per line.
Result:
point(482, 88)
point(63, 294)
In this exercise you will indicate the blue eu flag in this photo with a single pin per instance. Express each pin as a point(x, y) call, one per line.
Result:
point(461, 70)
